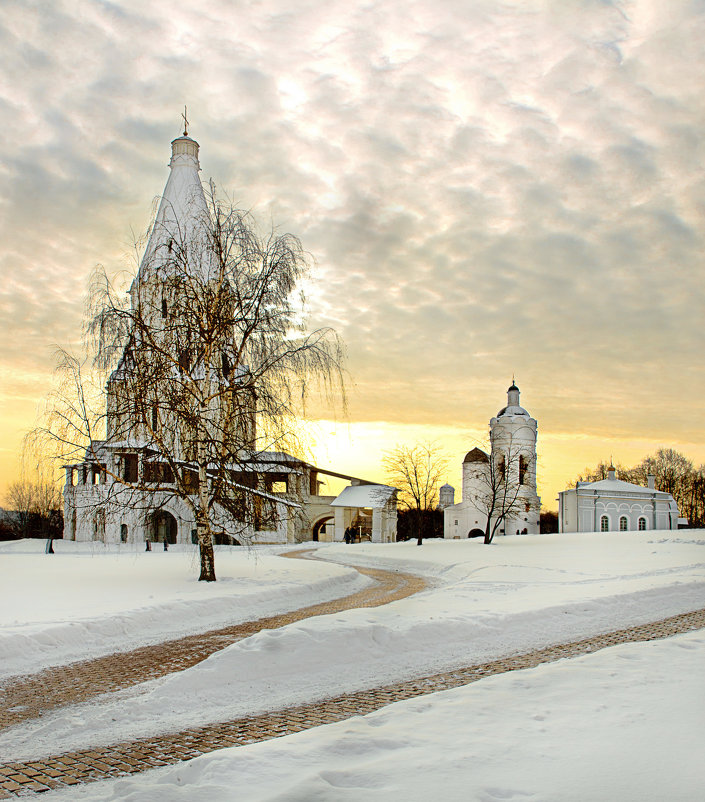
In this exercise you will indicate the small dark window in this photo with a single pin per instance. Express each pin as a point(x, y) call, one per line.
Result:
point(623, 524)
point(642, 524)
point(194, 536)
point(604, 524)
point(170, 245)
point(226, 364)
point(123, 533)
point(130, 467)
point(523, 467)
point(184, 361)
point(164, 309)
point(155, 419)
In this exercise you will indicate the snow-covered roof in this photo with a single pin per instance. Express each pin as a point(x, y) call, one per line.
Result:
point(375, 496)
point(476, 455)
point(513, 409)
point(618, 486)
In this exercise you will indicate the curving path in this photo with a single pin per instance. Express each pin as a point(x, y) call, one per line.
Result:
point(30, 696)
point(82, 766)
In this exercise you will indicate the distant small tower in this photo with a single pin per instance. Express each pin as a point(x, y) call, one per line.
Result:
point(446, 496)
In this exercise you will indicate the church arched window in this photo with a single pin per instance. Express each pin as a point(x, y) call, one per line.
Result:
point(164, 308)
point(123, 533)
point(155, 418)
point(225, 365)
point(642, 524)
point(623, 523)
point(99, 525)
point(604, 524)
point(523, 467)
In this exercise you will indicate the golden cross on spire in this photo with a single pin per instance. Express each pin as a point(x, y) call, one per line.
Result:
point(185, 118)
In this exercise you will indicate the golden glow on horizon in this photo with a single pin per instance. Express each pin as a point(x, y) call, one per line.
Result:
point(357, 449)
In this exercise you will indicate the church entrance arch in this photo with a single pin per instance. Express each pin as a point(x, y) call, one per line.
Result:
point(319, 527)
point(163, 527)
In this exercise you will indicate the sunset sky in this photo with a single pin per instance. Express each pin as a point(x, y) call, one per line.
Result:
point(486, 189)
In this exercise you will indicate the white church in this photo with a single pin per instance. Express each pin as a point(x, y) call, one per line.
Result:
point(95, 504)
point(500, 485)
point(613, 505)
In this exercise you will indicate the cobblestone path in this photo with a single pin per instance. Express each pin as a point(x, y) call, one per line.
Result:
point(30, 696)
point(87, 765)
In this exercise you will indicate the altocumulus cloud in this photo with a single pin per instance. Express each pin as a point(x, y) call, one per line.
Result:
point(486, 187)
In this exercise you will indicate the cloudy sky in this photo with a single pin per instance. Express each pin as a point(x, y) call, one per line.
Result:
point(487, 188)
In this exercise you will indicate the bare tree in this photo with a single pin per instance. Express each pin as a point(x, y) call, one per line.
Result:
point(416, 471)
point(205, 365)
point(36, 502)
point(499, 485)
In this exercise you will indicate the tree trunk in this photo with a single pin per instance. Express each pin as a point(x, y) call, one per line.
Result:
point(205, 536)
point(205, 547)
point(489, 532)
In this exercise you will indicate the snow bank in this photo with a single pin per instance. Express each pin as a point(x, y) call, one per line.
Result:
point(611, 725)
point(88, 600)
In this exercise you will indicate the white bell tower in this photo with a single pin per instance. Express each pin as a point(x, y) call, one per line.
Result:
point(513, 434)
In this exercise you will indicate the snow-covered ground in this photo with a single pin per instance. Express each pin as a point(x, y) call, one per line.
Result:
point(528, 735)
point(88, 599)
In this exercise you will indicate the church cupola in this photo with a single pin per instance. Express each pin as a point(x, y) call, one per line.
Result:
point(184, 152)
point(513, 396)
point(513, 407)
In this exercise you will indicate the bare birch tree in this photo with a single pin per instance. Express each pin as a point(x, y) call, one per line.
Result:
point(416, 471)
point(204, 365)
point(499, 487)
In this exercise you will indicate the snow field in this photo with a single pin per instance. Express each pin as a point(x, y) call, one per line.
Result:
point(485, 602)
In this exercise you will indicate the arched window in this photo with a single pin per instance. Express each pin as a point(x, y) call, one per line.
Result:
point(99, 526)
point(123, 533)
point(604, 524)
point(642, 524)
point(164, 309)
point(623, 523)
point(523, 467)
point(155, 418)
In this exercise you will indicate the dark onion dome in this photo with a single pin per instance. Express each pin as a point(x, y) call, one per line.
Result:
point(513, 410)
point(476, 455)
point(513, 387)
